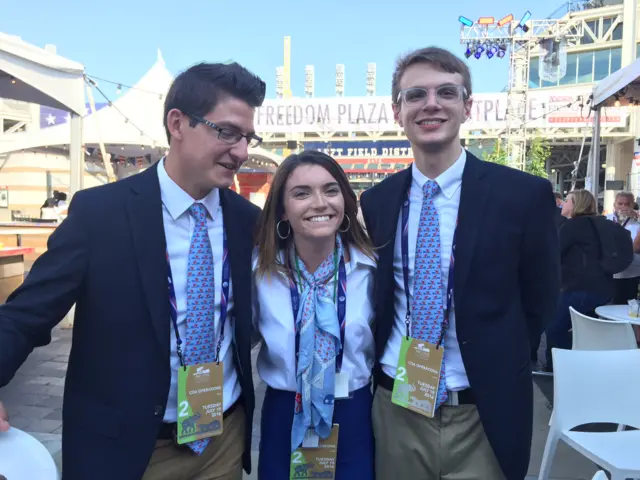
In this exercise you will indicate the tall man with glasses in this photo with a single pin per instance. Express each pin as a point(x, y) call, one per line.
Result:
point(158, 266)
point(468, 275)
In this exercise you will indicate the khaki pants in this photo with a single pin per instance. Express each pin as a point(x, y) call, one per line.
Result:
point(221, 460)
point(450, 446)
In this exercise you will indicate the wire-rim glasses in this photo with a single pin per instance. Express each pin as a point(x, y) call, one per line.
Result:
point(228, 135)
point(417, 97)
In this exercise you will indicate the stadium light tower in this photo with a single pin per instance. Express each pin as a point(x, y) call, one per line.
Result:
point(286, 69)
point(309, 81)
point(340, 80)
point(279, 82)
point(489, 38)
point(371, 79)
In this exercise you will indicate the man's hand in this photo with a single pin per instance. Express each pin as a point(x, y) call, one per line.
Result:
point(628, 212)
point(4, 419)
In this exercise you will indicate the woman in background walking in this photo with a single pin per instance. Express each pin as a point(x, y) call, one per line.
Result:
point(585, 284)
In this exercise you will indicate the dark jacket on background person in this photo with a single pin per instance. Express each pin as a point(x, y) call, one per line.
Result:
point(560, 219)
point(580, 258)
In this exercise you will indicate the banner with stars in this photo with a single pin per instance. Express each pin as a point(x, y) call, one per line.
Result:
point(50, 117)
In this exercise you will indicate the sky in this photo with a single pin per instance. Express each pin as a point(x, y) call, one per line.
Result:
point(118, 40)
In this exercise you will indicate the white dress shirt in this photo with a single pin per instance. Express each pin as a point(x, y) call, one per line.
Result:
point(446, 202)
point(178, 228)
point(274, 318)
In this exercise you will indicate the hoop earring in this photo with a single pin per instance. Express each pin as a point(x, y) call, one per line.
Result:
point(348, 225)
point(283, 237)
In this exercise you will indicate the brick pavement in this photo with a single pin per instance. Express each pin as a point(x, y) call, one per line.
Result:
point(34, 397)
point(34, 402)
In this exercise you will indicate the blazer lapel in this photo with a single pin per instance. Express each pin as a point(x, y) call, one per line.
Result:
point(239, 241)
point(473, 198)
point(390, 204)
point(144, 209)
point(387, 211)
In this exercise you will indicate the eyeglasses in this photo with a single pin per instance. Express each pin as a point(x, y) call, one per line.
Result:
point(445, 95)
point(228, 135)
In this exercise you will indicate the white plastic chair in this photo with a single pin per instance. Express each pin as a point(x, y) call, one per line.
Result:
point(594, 334)
point(596, 387)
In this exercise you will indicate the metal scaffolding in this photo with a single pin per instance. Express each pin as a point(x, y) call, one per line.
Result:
point(495, 38)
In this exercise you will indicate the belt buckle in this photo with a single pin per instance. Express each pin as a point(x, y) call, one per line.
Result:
point(452, 399)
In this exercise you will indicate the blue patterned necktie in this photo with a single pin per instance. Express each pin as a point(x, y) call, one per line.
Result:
point(428, 305)
point(319, 330)
point(199, 347)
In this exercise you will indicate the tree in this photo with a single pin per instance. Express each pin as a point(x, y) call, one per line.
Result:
point(537, 155)
point(497, 155)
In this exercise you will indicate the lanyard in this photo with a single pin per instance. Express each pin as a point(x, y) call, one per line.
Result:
point(341, 286)
point(405, 271)
point(223, 301)
point(615, 220)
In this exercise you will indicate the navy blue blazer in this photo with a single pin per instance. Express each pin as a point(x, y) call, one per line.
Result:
point(109, 258)
point(507, 282)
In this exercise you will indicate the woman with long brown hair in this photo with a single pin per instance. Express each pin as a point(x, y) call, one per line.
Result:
point(313, 275)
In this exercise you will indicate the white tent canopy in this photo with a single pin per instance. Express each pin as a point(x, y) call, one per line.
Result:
point(623, 86)
point(36, 75)
point(133, 120)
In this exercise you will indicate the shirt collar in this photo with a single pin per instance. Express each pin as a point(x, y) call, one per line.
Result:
point(356, 257)
point(177, 201)
point(448, 181)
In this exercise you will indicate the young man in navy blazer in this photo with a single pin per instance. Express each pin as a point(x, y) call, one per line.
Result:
point(110, 258)
point(503, 290)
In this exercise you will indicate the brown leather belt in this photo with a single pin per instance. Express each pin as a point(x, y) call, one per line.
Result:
point(464, 397)
point(167, 430)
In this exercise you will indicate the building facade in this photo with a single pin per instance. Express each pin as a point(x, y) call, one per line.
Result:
point(609, 42)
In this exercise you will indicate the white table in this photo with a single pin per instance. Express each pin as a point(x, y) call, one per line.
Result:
point(22, 457)
point(617, 313)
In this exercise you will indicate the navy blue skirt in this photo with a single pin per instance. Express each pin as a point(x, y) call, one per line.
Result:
point(355, 441)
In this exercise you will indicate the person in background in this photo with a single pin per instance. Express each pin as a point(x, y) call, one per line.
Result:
point(60, 198)
point(313, 277)
point(51, 201)
point(585, 285)
point(626, 282)
point(159, 268)
point(559, 204)
point(55, 207)
point(636, 251)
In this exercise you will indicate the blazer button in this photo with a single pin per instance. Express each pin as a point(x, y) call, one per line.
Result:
point(159, 411)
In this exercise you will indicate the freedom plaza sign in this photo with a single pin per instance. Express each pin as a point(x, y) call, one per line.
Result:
point(545, 109)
